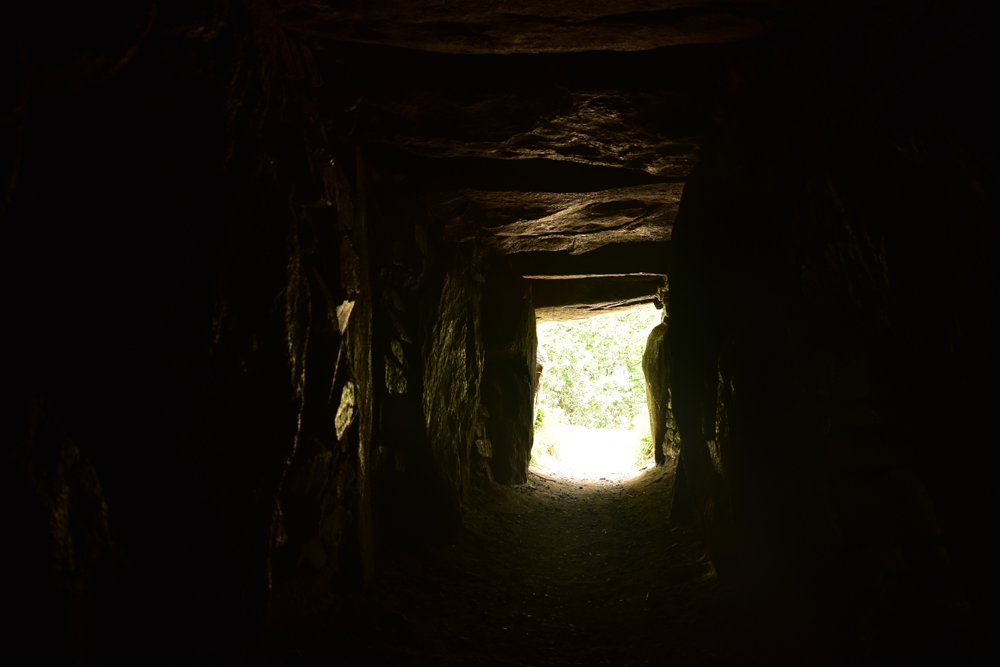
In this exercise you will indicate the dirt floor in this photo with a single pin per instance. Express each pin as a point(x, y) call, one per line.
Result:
point(553, 572)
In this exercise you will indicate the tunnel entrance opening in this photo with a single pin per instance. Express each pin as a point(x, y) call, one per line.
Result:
point(591, 419)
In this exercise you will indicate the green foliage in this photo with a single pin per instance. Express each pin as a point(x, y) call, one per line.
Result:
point(594, 375)
point(642, 439)
point(644, 448)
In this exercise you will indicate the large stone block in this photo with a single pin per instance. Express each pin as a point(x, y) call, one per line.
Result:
point(508, 389)
point(657, 374)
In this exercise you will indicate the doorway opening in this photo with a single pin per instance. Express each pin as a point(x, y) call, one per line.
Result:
point(591, 419)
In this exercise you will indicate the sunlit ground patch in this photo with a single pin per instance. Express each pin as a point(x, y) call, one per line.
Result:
point(591, 453)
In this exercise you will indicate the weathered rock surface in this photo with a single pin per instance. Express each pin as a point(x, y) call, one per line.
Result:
point(656, 371)
point(310, 345)
point(426, 327)
point(587, 108)
point(598, 128)
point(424, 174)
point(651, 258)
point(577, 223)
point(508, 387)
point(455, 361)
point(801, 350)
point(59, 515)
point(555, 155)
point(318, 512)
point(585, 297)
point(527, 27)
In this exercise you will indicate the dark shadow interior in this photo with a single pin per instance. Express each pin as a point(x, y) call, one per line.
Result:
point(274, 269)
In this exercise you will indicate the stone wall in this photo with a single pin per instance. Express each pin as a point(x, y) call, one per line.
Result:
point(244, 355)
point(245, 361)
point(656, 372)
point(657, 376)
point(509, 373)
point(824, 320)
point(149, 269)
point(431, 364)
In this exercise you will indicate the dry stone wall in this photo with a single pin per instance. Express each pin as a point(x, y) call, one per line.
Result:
point(246, 362)
point(810, 450)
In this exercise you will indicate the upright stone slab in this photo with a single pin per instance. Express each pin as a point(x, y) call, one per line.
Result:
point(508, 388)
point(654, 368)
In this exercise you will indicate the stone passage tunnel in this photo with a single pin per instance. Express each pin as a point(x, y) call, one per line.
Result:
point(273, 270)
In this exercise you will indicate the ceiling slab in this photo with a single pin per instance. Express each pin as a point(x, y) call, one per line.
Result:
point(479, 26)
point(650, 258)
point(513, 222)
point(602, 109)
point(586, 297)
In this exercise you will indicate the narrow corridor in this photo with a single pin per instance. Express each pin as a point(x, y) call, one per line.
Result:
point(553, 572)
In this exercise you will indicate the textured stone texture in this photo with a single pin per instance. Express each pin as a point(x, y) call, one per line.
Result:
point(548, 156)
point(427, 399)
point(612, 260)
point(575, 222)
point(508, 390)
point(58, 518)
point(656, 372)
point(539, 119)
point(528, 27)
point(805, 373)
point(257, 331)
point(455, 374)
point(196, 393)
point(544, 156)
point(585, 297)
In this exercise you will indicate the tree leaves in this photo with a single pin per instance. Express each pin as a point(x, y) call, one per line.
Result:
point(594, 376)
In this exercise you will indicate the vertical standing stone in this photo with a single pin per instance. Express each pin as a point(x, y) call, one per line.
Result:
point(360, 337)
point(508, 387)
point(654, 368)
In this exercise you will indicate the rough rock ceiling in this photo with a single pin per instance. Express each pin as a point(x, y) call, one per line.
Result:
point(640, 111)
point(612, 260)
point(559, 133)
point(585, 297)
point(532, 26)
point(514, 222)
